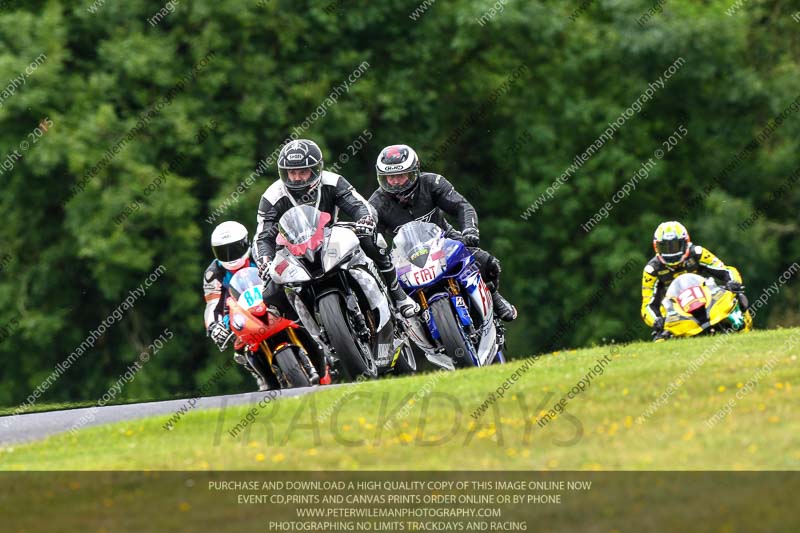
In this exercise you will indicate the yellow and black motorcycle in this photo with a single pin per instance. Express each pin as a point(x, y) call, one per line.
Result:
point(695, 305)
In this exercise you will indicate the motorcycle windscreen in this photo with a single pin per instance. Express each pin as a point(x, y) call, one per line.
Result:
point(302, 228)
point(245, 287)
point(683, 282)
point(413, 242)
point(687, 290)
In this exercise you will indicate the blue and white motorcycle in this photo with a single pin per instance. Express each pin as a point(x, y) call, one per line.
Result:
point(457, 326)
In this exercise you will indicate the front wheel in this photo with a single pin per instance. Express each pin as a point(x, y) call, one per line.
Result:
point(287, 360)
point(406, 361)
point(454, 341)
point(355, 355)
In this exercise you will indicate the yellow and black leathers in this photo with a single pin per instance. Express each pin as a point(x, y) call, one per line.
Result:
point(657, 277)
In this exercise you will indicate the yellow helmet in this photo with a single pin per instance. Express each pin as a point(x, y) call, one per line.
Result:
point(671, 242)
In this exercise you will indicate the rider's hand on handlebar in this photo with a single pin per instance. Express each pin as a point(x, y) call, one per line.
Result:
point(735, 286)
point(471, 237)
point(365, 226)
point(220, 335)
point(263, 267)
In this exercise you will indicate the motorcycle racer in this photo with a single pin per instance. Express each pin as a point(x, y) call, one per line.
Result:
point(303, 181)
point(676, 255)
point(406, 194)
point(231, 246)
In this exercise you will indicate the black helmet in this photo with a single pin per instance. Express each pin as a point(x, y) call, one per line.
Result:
point(394, 160)
point(297, 155)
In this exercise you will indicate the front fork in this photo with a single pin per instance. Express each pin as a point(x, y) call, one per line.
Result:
point(305, 362)
point(452, 287)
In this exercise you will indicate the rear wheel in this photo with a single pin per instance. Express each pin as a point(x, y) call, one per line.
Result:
point(290, 366)
point(355, 355)
point(454, 341)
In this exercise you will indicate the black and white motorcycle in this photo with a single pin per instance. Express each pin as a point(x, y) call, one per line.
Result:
point(339, 294)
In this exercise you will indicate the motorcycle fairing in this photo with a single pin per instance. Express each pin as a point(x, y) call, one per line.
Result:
point(692, 294)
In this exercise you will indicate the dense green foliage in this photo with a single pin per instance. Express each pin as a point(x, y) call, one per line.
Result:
point(500, 106)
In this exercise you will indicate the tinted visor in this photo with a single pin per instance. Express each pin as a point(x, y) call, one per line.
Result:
point(231, 251)
point(671, 250)
point(671, 247)
point(394, 184)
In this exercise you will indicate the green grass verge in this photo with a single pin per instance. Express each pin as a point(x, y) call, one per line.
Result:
point(433, 426)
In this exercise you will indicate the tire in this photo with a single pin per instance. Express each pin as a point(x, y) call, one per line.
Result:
point(292, 371)
point(406, 361)
point(342, 337)
point(453, 339)
point(259, 363)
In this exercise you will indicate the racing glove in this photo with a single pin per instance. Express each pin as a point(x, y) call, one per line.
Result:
point(658, 329)
point(735, 287)
point(220, 335)
point(471, 237)
point(263, 267)
point(365, 226)
point(493, 267)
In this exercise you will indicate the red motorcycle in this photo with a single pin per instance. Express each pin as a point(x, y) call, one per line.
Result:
point(278, 346)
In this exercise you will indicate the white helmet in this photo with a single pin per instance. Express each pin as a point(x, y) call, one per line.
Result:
point(231, 245)
point(395, 160)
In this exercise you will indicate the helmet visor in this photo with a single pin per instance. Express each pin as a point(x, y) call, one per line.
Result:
point(231, 251)
point(300, 177)
point(397, 183)
point(671, 250)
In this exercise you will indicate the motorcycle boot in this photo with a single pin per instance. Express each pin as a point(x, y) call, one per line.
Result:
point(504, 309)
point(402, 301)
point(260, 381)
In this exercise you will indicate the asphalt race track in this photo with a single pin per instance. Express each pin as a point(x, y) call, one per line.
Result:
point(29, 427)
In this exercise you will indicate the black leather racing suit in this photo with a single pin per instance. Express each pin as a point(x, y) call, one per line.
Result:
point(331, 194)
point(433, 197)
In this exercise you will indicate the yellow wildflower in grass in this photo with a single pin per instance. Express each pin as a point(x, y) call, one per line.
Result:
point(260, 457)
point(689, 435)
point(278, 457)
point(628, 421)
point(312, 451)
point(721, 388)
point(773, 419)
